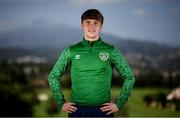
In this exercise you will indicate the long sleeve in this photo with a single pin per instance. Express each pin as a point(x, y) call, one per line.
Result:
point(127, 75)
point(55, 75)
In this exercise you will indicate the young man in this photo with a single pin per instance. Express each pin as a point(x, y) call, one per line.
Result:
point(91, 62)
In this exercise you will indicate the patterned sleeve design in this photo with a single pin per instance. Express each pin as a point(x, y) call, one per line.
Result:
point(127, 75)
point(55, 75)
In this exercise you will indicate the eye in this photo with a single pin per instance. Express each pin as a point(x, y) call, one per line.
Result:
point(95, 23)
point(87, 22)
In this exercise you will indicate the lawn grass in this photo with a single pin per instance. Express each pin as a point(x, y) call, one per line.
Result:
point(135, 107)
point(138, 108)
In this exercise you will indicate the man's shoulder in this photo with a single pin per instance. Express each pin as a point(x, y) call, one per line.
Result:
point(75, 46)
point(107, 45)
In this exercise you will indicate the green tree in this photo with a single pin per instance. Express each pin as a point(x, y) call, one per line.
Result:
point(17, 96)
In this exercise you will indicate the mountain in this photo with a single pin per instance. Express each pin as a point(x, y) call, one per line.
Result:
point(59, 36)
point(39, 36)
point(49, 41)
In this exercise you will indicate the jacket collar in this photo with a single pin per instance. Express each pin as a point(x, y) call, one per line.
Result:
point(93, 43)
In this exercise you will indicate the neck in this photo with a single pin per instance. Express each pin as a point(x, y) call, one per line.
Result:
point(91, 39)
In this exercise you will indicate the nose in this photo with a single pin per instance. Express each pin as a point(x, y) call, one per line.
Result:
point(92, 26)
point(91, 23)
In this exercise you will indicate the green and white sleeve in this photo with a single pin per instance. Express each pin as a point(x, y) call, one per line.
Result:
point(127, 75)
point(55, 75)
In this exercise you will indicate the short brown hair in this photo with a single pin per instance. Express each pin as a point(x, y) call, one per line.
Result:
point(92, 14)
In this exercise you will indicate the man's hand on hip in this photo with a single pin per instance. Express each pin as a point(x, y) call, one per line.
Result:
point(109, 108)
point(69, 107)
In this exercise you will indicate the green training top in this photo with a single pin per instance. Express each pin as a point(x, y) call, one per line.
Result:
point(91, 67)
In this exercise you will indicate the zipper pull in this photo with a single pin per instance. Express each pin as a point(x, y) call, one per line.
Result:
point(90, 49)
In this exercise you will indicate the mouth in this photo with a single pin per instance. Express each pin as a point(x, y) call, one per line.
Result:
point(91, 31)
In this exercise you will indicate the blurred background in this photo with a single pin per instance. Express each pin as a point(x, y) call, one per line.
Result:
point(33, 33)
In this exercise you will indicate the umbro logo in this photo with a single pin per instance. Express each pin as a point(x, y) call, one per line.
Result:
point(77, 56)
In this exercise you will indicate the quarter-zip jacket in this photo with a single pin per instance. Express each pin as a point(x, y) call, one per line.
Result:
point(91, 67)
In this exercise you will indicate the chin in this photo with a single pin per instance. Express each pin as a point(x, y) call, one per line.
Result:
point(92, 36)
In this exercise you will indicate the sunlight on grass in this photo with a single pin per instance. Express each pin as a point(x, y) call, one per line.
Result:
point(135, 106)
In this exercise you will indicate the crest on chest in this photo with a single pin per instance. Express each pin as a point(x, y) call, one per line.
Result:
point(103, 56)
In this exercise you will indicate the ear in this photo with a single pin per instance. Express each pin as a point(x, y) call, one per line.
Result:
point(82, 25)
point(101, 27)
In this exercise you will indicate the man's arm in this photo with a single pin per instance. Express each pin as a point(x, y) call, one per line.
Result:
point(55, 75)
point(127, 75)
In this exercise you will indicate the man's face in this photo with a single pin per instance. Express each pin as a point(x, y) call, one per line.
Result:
point(91, 28)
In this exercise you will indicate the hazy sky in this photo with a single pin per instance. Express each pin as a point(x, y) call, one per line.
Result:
point(157, 20)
